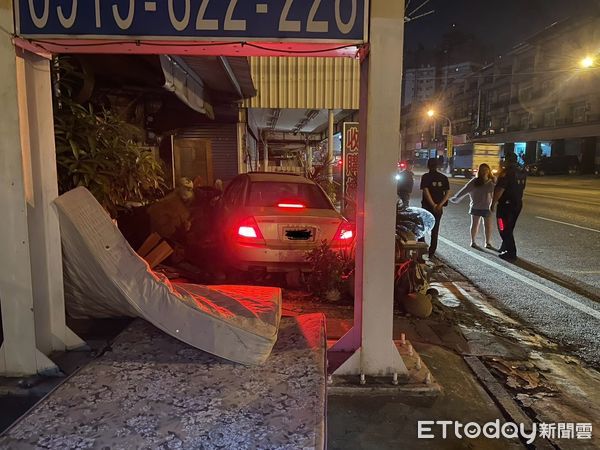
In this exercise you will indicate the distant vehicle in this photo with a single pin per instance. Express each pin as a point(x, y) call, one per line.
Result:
point(268, 221)
point(402, 165)
point(468, 157)
point(554, 165)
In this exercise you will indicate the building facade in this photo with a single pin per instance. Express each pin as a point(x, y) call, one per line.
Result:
point(419, 85)
point(537, 100)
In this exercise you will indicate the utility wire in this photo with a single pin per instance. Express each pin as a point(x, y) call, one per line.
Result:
point(473, 76)
point(410, 14)
point(192, 44)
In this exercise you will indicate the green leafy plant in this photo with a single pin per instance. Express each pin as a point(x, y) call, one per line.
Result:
point(320, 175)
point(101, 151)
point(330, 271)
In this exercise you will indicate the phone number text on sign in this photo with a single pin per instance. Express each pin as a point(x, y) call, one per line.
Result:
point(324, 20)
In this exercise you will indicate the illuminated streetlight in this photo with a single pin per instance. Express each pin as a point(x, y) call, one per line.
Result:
point(450, 145)
point(587, 62)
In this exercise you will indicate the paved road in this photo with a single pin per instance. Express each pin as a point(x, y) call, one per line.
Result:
point(555, 286)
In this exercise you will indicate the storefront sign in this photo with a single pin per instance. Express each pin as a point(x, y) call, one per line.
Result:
point(450, 146)
point(229, 20)
point(350, 154)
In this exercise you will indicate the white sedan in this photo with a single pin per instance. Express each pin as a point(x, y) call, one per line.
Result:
point(268, 221)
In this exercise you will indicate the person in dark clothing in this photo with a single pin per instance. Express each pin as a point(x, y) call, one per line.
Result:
point(508, 202)
point(406, 182)
point(436, 191)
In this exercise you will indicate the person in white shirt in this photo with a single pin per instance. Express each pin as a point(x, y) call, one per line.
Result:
point(481, 192)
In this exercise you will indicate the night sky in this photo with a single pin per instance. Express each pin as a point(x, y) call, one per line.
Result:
point(499, 24)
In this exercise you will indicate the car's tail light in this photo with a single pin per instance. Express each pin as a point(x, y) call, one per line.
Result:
point(248, 232)
point(344, 235)
point(291, 205)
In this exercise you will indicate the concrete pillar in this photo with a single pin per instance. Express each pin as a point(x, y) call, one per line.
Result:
point(309, 158)
point(330, 130)
point(242, 139)
point(509, 147)
point(558, 147)
point(52, 333)
point(381, 80)
point(531, 152)
point(588, 155)
point(19, 354)
point(266, 157)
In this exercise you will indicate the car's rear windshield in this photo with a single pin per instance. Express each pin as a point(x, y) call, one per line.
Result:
point(272, 193)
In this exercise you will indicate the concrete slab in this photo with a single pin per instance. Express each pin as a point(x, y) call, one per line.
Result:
point(418, 383)
point(391, 422)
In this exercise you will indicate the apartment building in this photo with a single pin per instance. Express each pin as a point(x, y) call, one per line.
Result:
point(537, 99)
point(419, 85)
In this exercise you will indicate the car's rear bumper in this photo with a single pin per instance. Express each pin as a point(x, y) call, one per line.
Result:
point(260, 258)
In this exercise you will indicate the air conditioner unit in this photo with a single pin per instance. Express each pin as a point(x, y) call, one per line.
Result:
point(502, 130)
point(492, 131)
point(484, 133)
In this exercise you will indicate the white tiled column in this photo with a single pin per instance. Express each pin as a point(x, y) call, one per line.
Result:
point(31, 289)
point(381, 80)
point(52, 333)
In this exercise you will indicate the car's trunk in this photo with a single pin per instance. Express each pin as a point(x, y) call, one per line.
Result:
point(297, 229)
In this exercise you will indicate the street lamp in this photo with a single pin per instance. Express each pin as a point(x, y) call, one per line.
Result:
point(586, 62)
point(432, 113)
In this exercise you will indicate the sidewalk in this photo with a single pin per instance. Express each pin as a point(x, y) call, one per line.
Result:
point(489, 367)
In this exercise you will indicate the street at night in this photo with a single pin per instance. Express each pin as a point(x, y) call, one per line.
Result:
point(555, 285)
point(251, 224)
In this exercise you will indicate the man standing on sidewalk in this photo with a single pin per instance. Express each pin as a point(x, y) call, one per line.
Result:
point(436, 191)
point(508, 198)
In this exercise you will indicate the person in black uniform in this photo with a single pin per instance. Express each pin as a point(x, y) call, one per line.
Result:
point(436, 191)
point(406, 182)
point(508, 200)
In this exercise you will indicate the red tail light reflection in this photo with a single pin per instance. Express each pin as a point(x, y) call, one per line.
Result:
point(500, 224)
point(248, 232)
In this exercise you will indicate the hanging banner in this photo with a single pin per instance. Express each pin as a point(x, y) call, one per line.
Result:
point(223, 20)
point(350, 148)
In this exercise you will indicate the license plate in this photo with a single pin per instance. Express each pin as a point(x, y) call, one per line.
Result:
point(299, 234)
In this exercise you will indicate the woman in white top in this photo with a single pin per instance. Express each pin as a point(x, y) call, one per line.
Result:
point(481, 192)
